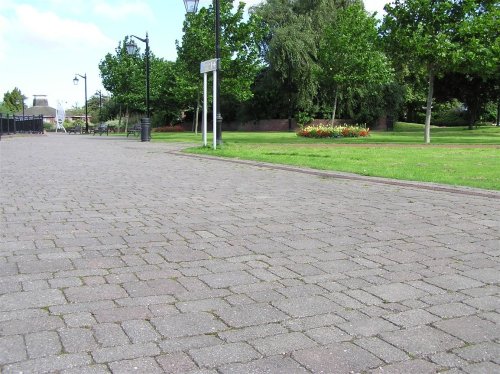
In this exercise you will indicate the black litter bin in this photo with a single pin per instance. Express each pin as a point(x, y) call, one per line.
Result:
point(145, 125)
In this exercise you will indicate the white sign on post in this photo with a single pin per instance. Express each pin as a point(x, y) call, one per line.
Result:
point(206, 67)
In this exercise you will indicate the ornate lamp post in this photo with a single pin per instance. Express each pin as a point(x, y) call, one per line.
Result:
point(191, 7)
point(131, 50)
point(75, 82)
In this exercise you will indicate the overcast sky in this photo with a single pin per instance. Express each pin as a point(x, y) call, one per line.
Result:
point(43, 43)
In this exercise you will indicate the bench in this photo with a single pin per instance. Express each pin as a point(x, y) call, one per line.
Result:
point(136, 130)
point(75, 130)
point(101, 129)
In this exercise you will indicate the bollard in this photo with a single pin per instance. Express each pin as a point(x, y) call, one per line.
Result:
point(145, 124)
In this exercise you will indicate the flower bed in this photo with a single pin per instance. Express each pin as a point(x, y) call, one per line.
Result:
point(324, 131)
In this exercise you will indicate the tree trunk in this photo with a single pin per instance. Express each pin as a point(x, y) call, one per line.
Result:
point(498, 113)
point(196, 120)
point(427, 135)
point(334, 108)
point(126, 119)
point(120, 118)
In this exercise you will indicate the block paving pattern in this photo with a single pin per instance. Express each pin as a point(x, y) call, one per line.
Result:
point(121, 256)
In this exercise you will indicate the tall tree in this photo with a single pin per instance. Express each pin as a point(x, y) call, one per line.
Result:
point(350, 55)
point(421, 31)
point(124, 77)
point(240, 62)
point(13, 101)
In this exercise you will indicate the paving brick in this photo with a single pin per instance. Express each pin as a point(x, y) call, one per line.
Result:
point(48, 364)
point(140, 331)
point(122, 314)
point(454, 282)
point(422, 340)
point(87, 369)
point(77, 340)
point(381, 349)
point(83, 319)
point(482, 368)
point(139, 365)
point(480, 352)
point(410, 318)
point(12, 349)
point(31, 325)
point(176, 363)
point(110, 335)
point(337, 358)
point(275, 365)
point(31, 299)
point(252, 332)
point(477, 331)
point(205, 305)
point(94, 293)
point(395, 292)
point(125, 352)
point(328, 335)
point(187, 324)
point(249, 315)
point(282, 343)
point(411, 366)
point(306, 306)
point(41, 344)
point(367, 327)
point(223, 354)
point(174, 345)
point(84, 307)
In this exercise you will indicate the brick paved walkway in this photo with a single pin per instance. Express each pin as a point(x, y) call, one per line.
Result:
point(118, 256)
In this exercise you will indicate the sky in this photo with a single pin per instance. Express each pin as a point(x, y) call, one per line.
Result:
point(44, 43)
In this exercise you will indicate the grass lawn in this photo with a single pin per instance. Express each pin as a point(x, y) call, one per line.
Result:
point(457, 156)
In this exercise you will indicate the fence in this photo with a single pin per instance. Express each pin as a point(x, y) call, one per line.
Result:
point(10, 124)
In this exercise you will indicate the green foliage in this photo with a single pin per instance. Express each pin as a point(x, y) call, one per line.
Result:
point(451, 113)
point(304, 118)
point(13, 101)
point(240, 60)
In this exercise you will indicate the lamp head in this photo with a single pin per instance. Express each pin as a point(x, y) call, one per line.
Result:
point(191, 5)
point(75, 80)
point(131, 47)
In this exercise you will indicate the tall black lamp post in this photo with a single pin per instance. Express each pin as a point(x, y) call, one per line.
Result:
point(75, 82)
point(131, 50)
point(192, 7)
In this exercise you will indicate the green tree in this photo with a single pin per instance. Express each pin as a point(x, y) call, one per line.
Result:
point(420, 31)
point(351, 60)
point(240, 60)
point(124, 77)
point(13, 101)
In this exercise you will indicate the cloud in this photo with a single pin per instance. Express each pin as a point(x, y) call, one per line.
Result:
point(3, 32)
point(49, 30)
point(123, 10)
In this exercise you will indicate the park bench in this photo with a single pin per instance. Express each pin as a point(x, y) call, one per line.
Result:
point(136, 130)
point(101, 129)
point(75, 130)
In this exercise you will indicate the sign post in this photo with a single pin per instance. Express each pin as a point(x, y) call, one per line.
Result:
point(206, 67)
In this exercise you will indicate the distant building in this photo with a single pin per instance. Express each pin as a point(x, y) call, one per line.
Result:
point(41, 107)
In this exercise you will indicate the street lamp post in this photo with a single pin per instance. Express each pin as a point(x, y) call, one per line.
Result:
point(191, 7)
point(131, 50)
point(75, 82)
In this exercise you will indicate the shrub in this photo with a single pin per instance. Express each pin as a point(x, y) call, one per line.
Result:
point(322, 131)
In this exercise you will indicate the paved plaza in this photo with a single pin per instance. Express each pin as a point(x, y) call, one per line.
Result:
point(128, 257)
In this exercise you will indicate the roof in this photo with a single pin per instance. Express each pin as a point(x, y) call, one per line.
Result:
point(46, 111)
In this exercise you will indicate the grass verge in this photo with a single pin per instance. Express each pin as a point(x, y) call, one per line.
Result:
point(457, 156)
